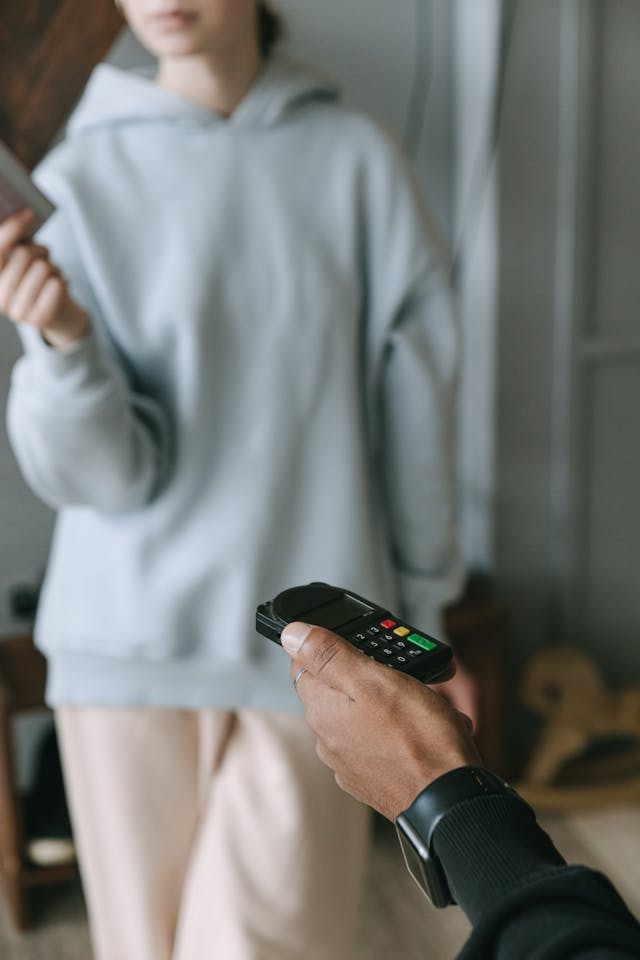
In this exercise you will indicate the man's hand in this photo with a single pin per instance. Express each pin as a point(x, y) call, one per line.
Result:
point(462, 693)
point(32, 289)
point(385, 735)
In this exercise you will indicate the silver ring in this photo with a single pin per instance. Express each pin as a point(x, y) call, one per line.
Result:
point(298, 675)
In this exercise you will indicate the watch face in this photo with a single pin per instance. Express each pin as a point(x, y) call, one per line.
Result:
point(425, 870)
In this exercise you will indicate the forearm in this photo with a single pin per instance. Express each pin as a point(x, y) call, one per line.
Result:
point(78, 436)
point(520, 895)
point(395, 744)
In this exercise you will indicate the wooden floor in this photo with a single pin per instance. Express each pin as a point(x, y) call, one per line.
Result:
point(397, 922)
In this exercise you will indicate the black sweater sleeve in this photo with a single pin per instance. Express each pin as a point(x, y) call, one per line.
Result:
point(523, 900)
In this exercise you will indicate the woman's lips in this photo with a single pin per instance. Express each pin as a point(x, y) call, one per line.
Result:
point(174, 19)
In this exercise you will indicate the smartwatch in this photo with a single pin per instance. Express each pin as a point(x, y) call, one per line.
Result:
point(416, 826)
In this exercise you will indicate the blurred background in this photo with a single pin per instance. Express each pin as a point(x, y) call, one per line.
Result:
point(520, 118)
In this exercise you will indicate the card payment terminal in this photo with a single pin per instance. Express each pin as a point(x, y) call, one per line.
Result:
point(372, 629)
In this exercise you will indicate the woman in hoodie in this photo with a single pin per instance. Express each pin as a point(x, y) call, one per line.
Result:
point(238, 375)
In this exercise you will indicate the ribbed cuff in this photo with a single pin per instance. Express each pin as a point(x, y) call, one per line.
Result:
point(50, 357)
point(73, 376)
point(488, 846)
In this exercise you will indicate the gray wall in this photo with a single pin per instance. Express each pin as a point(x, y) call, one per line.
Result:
point(528, 198)
point(568, 524)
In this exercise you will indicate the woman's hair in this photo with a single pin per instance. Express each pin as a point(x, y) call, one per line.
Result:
point(270, 28)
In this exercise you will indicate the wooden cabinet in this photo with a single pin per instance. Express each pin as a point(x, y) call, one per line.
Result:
point(48, 48)
point(476, 627)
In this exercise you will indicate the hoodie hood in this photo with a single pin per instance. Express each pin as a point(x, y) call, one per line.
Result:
point(116, 97)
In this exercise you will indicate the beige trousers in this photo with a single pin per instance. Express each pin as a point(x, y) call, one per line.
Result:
point(211, 835)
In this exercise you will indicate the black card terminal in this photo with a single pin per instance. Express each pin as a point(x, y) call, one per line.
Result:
point(372, 629)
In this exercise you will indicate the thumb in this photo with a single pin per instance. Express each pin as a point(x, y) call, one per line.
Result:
point(324, 654)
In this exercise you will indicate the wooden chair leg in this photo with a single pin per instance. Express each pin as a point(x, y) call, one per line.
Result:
point(11, 833)
point(22, 686)
point(17, 900)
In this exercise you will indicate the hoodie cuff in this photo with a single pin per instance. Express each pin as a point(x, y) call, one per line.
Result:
point(56, 374)
point(488, 847)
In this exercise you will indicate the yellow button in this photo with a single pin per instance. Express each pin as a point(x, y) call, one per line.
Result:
point(401, 631)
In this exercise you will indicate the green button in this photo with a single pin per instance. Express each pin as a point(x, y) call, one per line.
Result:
point(421, 641)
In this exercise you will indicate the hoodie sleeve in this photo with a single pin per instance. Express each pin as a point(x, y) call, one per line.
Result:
point(414, 351)
point(81, 435)
point(522, 899)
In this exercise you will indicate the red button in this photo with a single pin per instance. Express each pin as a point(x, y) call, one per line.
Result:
point(388, 624)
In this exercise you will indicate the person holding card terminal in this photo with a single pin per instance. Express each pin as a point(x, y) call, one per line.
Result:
point(466, 835)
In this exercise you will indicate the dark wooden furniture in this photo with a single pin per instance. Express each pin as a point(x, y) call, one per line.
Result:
point(22, 682)
point(48, 48)
point(476, 628)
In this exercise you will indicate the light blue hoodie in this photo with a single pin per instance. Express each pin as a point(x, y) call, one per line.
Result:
point(267, 398)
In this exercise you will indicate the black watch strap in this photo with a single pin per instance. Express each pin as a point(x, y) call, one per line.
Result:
point(447, 791)
point(417, 824)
